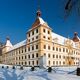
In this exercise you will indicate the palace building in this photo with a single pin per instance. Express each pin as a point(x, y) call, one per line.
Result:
point(42, 47)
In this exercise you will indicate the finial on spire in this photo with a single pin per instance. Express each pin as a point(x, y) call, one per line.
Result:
point(38, 11)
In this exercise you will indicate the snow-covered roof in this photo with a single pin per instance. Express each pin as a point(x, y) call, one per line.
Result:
point(60, 40)
point(22, 43)
point(41, 20)
point(8, 43)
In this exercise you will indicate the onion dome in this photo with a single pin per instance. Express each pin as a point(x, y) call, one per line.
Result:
point(38, 13)
point(76, 38)
point(8, 43)
point(7, 38)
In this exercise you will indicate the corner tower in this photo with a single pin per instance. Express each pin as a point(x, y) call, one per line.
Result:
point(39, 40)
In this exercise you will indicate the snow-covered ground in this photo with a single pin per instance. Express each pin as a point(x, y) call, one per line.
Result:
point(58, 73)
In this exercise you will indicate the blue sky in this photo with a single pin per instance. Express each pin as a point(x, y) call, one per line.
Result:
point(17, 16)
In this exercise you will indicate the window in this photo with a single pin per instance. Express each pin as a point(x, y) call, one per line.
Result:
point(28, 56)
point(32, 32)
point(56, 56)
point(29, 40)
point(36, 54)
point(63, 49)
point(66, 50)
point(37, 62)
point(44, 46)
point(48, 38)
point(63, 62)
point(36, 30)
point(16, 58)
point(22, 63)
point(56, 49)
point(19, 63)
point(19, 51)
point(22, 50)
point(32, 39)
point(53, 48)
point(25, 63)
point(32, 62)
point(59, 49)
point(48, 55)
point(29, 35)
point(32, 55)
point(44, 37)
point(57, 62)
point(25, 49)
point(60, 56)
point(29, 62)
point(53, 56)
point(63, 57)
point(25, 57)
point(36, 46)
point(49, 62)
point(48, 32)
point(49, 47)
point(22, 57)
point(36, 37)
point(60, 62)
point(28, 48)
point(44, 30)
point(32, 47)
point(19, 58)
point(53, 62)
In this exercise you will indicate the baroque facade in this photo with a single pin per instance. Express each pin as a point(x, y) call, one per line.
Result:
point(42, 47)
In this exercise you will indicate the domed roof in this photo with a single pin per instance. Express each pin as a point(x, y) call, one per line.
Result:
point(76, 38)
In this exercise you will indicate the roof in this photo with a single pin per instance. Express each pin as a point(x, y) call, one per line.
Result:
point(60, 40)
point(22, 43)
point(38, 21)
point(8, 43)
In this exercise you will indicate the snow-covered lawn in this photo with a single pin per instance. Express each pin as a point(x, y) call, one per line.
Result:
point(38, 74)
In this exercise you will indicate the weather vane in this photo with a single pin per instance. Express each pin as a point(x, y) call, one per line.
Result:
point(38, 4)
point(38, 11)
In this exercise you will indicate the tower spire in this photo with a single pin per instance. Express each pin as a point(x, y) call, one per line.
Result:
point(38, 11)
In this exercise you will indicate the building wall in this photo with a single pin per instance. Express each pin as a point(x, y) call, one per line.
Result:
point(40, 43)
